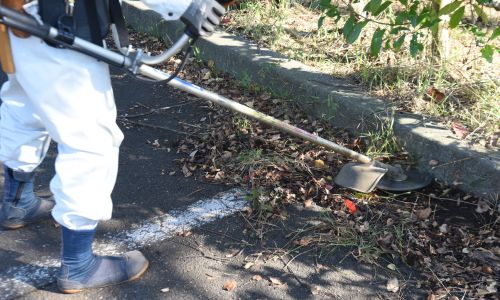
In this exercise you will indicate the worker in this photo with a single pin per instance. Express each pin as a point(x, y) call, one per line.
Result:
point(61, 95)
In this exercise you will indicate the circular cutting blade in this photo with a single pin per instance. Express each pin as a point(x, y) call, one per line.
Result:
point(416, 180)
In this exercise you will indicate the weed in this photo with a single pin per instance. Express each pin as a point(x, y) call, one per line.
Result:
point(382, 142)
point(332, 104)
point(197, 54)
point(280, 93)
point(250, 157)
point(243, 125)
point(471, 88)
point(246, 82)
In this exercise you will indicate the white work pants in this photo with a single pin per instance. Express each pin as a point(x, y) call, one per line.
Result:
point(66, 96)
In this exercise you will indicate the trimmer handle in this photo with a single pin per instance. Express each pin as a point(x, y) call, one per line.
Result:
point(178, 45)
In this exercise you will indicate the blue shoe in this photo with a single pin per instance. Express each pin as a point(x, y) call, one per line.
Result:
point(81, 269)
point(20, 205)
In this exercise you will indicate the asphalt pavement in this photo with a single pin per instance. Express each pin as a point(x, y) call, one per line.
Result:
point(188, 263)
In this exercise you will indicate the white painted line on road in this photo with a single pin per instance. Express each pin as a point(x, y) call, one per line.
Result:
point(20, 280)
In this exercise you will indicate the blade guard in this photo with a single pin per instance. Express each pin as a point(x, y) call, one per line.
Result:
point(360, 177)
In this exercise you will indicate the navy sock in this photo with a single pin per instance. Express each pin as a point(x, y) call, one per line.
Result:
point(77, 257)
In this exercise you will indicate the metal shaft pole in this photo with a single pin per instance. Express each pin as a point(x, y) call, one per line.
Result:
point(252, 113)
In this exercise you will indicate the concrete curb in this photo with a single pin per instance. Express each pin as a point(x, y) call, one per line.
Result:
point(474, 169)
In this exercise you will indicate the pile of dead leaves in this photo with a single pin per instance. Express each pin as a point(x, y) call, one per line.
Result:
point(454, 259)
point(451, 238)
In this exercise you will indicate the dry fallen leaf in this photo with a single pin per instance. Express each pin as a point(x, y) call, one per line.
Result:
point(186, 171)
point(487, 269)
point(192, 154)
point(207, 75)
point(210, 277)
point(304, 241)
point(435, 94)
point(460, 130)
point(494, 139)
point(318, 163)
point(385, 242)
point(320, 267)
point(393, 285)
point(308, 203)
point(226, 155)
point(233, 252)
point(275, 281)
point(186, 233)
point(229, 285)
point(256, 277)
point(423, 214)
point(492, 288)
point(482, 207)
point(248, 265)
point(364, 227)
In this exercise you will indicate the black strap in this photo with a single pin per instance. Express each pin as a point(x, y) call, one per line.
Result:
point(115, 11)
point(92, 18)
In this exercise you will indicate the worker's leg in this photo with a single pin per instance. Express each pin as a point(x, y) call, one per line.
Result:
point(23, 145)
point(72, 95)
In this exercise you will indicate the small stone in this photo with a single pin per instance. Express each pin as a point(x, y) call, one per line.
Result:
point(433, 162)
point(393, 285)
point(443, 228)
point(315, 290)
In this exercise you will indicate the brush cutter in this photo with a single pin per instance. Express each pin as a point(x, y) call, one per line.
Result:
point(364, 175)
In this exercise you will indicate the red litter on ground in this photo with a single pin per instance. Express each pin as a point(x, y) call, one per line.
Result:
point(350, 206)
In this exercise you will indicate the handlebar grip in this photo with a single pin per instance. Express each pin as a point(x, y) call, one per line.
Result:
point(23, 22)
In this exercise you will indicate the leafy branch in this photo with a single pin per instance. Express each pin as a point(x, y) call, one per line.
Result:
point(399, 20)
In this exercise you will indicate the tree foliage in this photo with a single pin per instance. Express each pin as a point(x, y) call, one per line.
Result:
point(398, 21)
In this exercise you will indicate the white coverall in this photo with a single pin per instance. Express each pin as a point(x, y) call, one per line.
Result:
point(66, 96)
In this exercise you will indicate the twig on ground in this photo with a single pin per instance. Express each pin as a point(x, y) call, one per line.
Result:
point(200, 250)
point(155, 126)
point(153, 110)
point(293, 258)
point(226, 235)
point(192, 193)
point(439, 280)
point(190, 125)
point(446, 199)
